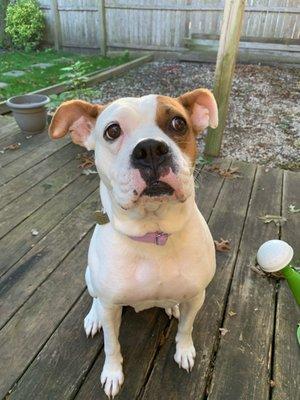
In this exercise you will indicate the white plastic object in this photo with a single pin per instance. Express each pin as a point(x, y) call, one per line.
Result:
point(274, 255)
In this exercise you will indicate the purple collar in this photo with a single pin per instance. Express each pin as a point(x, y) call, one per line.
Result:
point(158, 238)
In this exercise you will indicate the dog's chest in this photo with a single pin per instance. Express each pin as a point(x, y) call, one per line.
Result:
point(132, 278)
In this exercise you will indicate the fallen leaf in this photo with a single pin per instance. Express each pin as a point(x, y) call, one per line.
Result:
point(34, 232)
point(231, 173)
point(223, 331)
point(13, 146)
point(86, 160)
point(88, 171)
point(277, 219)
point(258, 270)
point(264, 274)
point(231, 313)
point(222, 245)
point(272, 383)
point(293, 209)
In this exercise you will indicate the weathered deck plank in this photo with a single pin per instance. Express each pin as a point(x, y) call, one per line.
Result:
point(20, 240)
point(286, 370)
point(8, 128)
point(18, 284)
point(241, 368)
point(22, 164)
point(226, 221)
point(26, 147)
point(58, 370)
point(29, 329)
point(25, 181)
point(25, 205)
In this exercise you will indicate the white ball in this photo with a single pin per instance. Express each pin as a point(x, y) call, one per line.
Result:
point(274, 255)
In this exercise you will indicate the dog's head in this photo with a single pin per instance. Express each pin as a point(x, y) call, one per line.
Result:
point(145, 148)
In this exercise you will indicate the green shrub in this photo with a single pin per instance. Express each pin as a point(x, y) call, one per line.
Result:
point(25, 24)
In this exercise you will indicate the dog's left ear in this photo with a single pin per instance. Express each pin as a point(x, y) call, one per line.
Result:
point(202, 107)
point(78, 118)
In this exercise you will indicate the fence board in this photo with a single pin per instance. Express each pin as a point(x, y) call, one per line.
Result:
point(164, 24)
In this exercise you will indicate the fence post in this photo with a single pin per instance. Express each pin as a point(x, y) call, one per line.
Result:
point(227, 52)
point(3, 7)
point(102, 20)
point(56, 25)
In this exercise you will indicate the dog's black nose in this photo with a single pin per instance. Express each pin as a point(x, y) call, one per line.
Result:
point(150, 153)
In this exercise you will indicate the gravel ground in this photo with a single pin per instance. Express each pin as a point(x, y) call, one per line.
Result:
point(264, 117)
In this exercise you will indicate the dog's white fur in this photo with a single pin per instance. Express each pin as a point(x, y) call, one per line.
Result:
point(124, 272)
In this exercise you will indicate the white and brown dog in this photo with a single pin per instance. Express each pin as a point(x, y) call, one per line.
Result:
point(157, 249)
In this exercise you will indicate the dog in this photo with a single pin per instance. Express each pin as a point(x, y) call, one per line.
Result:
point(156, 250)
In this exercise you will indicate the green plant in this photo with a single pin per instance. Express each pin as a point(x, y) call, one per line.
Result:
point(86, 94)
point(25, 24)
point(75, 74)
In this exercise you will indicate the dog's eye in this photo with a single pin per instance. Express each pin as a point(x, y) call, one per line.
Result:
point(178, 124)
point(112, 132)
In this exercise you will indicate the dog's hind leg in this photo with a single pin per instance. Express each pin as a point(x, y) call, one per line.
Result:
point(185, 350)
point(112, 374)
point(92, 322)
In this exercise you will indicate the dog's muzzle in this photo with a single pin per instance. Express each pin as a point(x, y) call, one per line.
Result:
point(153, 158)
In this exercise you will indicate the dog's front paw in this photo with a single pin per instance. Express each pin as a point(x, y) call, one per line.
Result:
point(173, 312)
point(92, 323)
point(185, 355)
point(112, 378)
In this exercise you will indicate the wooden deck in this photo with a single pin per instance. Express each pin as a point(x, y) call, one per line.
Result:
point(44, 353)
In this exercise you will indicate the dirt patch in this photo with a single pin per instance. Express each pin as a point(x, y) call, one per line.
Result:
point(264, 116)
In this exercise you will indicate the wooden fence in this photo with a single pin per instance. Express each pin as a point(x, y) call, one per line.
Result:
point(160, 24)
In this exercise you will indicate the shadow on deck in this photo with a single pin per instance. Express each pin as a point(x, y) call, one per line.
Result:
point(47, 208)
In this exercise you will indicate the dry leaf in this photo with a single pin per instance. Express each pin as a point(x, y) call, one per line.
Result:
point(223, 331)
point(13, 146)
point(264, 274)
point(258, 270)
point(230, 173)
point(231, 313)
point(293, 209)
point(272, 383)
point(222, 245)
point(277, 219)
point(86, 160)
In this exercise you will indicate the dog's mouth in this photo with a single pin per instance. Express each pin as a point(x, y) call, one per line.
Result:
point(158, 188)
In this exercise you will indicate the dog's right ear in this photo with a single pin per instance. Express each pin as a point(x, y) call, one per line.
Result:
point(77, 117)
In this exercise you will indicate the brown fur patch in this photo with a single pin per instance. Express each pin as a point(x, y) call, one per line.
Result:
point(167, 109)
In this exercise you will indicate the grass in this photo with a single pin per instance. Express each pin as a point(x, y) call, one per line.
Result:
point(37, 78)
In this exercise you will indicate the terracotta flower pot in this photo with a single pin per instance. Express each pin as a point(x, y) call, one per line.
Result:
point(30, 112)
